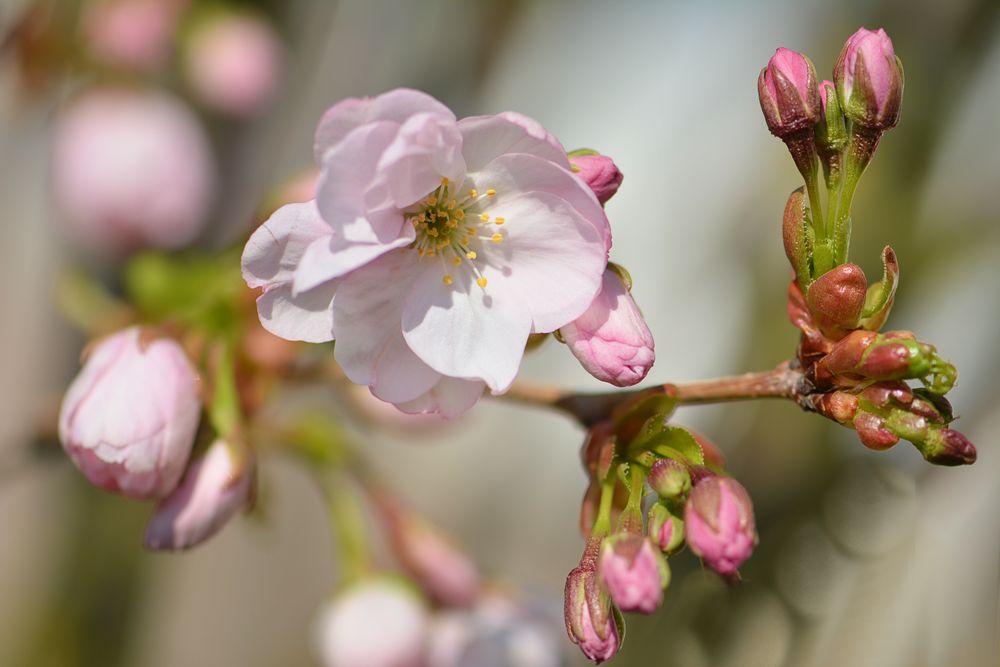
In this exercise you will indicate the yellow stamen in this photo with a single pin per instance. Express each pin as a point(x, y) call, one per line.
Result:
point(459, 214)
point(491, 193)
point(456, 260)
point(471, 254)
point(431, 200)
point(499, 221)
point(452, 204)
point(485, 217)
point(447, 280)
point(481, 282)
point(497, 238)
point(473, 194)
point(444, 182)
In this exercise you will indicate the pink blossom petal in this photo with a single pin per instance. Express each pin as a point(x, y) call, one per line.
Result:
point(450, 398)
point(516, 173)
point(399, 374)
point(462, 330)
point(305, 316)
point(395, 106)
point(425, 150)
point(550, 262)
point(332, 257)
point(485, 138)
point(276, 247)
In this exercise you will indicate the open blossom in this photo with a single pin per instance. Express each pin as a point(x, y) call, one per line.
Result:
point(433, 249)
point(374, 623)
point(215, 487)
point(129, 418)
point(719, 523)
point(611, 339)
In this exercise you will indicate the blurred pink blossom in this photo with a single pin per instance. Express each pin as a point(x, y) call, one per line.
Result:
point(233, 63)
point(129, 419)
point(498, 239)
point(132, 34)
point(215, 487)
point(131, 169)
point(374, 623)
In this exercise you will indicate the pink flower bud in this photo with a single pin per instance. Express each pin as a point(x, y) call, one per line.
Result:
point(233, 63)
point(600, 173)
point(132, 170)
point(869, 79)
point(375, 623)
point(129, 418)
point(718, 519)
point(669, 478)
point(438, 566)
point(132, 34)
point(634, 572)
point(599, 641)
point(789, 96)
point(215, 487)
point(665, 529)
point(611, 339)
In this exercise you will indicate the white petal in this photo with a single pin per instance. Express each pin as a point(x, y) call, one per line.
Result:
point(425, 149)
point(275, 248)
point(464, 331)
point(399, 374)
point(330, 258)
point(450, 397)
point(485, 138)
point(307, 316)
point(394, 106)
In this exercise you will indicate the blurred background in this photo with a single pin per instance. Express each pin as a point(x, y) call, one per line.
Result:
point(866, 559)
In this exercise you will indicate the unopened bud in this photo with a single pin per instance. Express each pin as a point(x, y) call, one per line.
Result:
point(665, 529)
point(597, 634)
point(836, 300)
point(948, 447)
point(869, 80)
point(719, 522)
point(788, 93)
point(129, 418)
point(215, 487)
point(634, 572)
point(872, 431)
point(669, 478)
point(435, 563)
point(796, 233)
point(599, 172)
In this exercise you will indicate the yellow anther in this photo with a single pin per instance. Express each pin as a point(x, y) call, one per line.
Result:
point(456, 260)
point(459, 214)
point(471, 254)
point(444, 182)
point(491, 193)
point(497, 238)
point(432, 232)
point(481, 281)
point(447, 280)
point(452, 204)
point(420, 252)
point(499, 221)
point(431, 200)
point(485, 217)
point(473, 193)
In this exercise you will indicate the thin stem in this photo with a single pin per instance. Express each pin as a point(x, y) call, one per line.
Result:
point(349, 527)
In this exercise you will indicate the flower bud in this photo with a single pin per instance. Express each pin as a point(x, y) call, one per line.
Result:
point(665, 529)
point(611, 339)
point(788, 93)
point(869, 80)
point(872, 431)
point(375, 623)
point(634, 572)
point(719, 522)
point(669, 478)
point(831, 132)
point(215, 487)
point(948, 447)
point(598, 635)
point(129, 419)
point(796, 234)
point(131, 34)
point(836, 300)
point(131, 170)
point(233, 63)
point(599, 172)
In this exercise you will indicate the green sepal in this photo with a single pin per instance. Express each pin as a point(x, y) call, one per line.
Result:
point(668, 441)
point(881, 295)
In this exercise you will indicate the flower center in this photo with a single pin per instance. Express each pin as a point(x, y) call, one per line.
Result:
point(451, 228)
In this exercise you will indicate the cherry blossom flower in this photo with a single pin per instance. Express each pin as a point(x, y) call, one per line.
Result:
point(433, 249)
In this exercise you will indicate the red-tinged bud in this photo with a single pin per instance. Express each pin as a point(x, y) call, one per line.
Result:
point(634, 572)
point(796, 234)
point(948, 447)
point(846, 355)
point(665, 529)
point(840, 406)
point(837, 298)
point(599, 172)
point(869, 80)
point(873, 432)
point(719, 522)
point(669, 478)
point(789, 96)
point(887, 362)
point(887, 394)
point(591, 622)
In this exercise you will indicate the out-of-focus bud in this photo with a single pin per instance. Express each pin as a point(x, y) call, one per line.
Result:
point(836, 300)
point(872, 431)
point(233, 63)
point(948, 447)
point(869, 80)
point(669, 478)
point(611, 339)
point(375, 623)
point(831, 132)
point(131, 170)
point(665, 529)
point(435, 563)
point(129, 418)
point(789, 96)
point(215, 487)
point(599, 172)
point(634, 572)
point(893, 355)
point(132, 34)
point(591, 622)
point(719, 523)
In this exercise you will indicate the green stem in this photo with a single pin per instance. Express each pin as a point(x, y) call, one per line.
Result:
point(350, 530)
point(224, 411)
point(602, 522)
